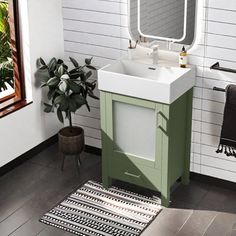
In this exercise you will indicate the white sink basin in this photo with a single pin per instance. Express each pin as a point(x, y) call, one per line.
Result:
point(155, 83)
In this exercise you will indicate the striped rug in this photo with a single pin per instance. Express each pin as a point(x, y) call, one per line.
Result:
point(94, 210)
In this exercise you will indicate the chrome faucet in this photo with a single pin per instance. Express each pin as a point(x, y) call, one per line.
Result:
point(155, 55)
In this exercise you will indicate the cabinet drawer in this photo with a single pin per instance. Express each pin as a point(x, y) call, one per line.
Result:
point(134, 173)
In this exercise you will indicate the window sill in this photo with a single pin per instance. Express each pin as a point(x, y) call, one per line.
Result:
point(9, 92)
point(14, 107)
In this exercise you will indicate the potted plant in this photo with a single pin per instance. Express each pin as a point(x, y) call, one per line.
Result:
point(67, 92)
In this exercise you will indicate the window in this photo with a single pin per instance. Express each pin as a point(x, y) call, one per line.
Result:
point(12, 94)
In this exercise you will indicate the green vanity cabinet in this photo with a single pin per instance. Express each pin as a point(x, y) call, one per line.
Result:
point(146, 143)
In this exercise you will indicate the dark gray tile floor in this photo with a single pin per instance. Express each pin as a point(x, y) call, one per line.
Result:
point(37, 185)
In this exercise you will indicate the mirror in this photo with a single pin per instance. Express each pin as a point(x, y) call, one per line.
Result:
point(163, 20)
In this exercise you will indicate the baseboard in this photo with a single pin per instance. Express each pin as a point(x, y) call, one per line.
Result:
point(213, 181)
point(93, 150)
point(29, 154)
point(97, 151)
point(39, 148)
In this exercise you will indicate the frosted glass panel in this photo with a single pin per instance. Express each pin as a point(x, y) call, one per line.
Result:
point(134, 130)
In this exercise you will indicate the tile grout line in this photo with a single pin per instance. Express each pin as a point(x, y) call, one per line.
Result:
point(185, 222)
point(19, 227)
point(208, 226)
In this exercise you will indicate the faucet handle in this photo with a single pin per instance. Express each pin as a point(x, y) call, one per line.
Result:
point(155, 48)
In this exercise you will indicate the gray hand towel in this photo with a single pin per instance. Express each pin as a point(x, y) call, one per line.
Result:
point(228, 132)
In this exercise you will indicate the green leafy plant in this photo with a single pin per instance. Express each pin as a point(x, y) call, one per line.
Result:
point(5, 38)
point(67, 89)
point(6, 64)
point(6, 75)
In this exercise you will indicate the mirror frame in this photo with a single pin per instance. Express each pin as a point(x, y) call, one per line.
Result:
point(159, 37)
point(199, 25)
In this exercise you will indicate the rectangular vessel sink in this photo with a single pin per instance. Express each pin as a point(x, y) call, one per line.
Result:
point(155, 83)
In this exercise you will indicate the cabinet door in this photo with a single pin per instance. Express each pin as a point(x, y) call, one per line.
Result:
point(134, 130)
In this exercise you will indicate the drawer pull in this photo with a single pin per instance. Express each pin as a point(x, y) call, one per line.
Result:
point(132, 175)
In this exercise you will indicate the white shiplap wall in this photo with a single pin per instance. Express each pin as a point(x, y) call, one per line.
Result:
point(99, 28)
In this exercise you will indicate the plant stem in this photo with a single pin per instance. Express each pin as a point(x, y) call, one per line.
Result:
point(70, 120)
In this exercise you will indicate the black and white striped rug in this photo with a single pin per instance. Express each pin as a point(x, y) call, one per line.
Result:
point(94, 210)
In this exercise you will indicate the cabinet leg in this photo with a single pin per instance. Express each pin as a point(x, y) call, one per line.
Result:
point(165, 199)
point(106, 182)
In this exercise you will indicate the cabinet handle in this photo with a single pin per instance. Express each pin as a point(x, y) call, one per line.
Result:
point(132, 175)
point(158, 120)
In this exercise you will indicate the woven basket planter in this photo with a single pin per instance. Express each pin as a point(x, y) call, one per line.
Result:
point(71, 140)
